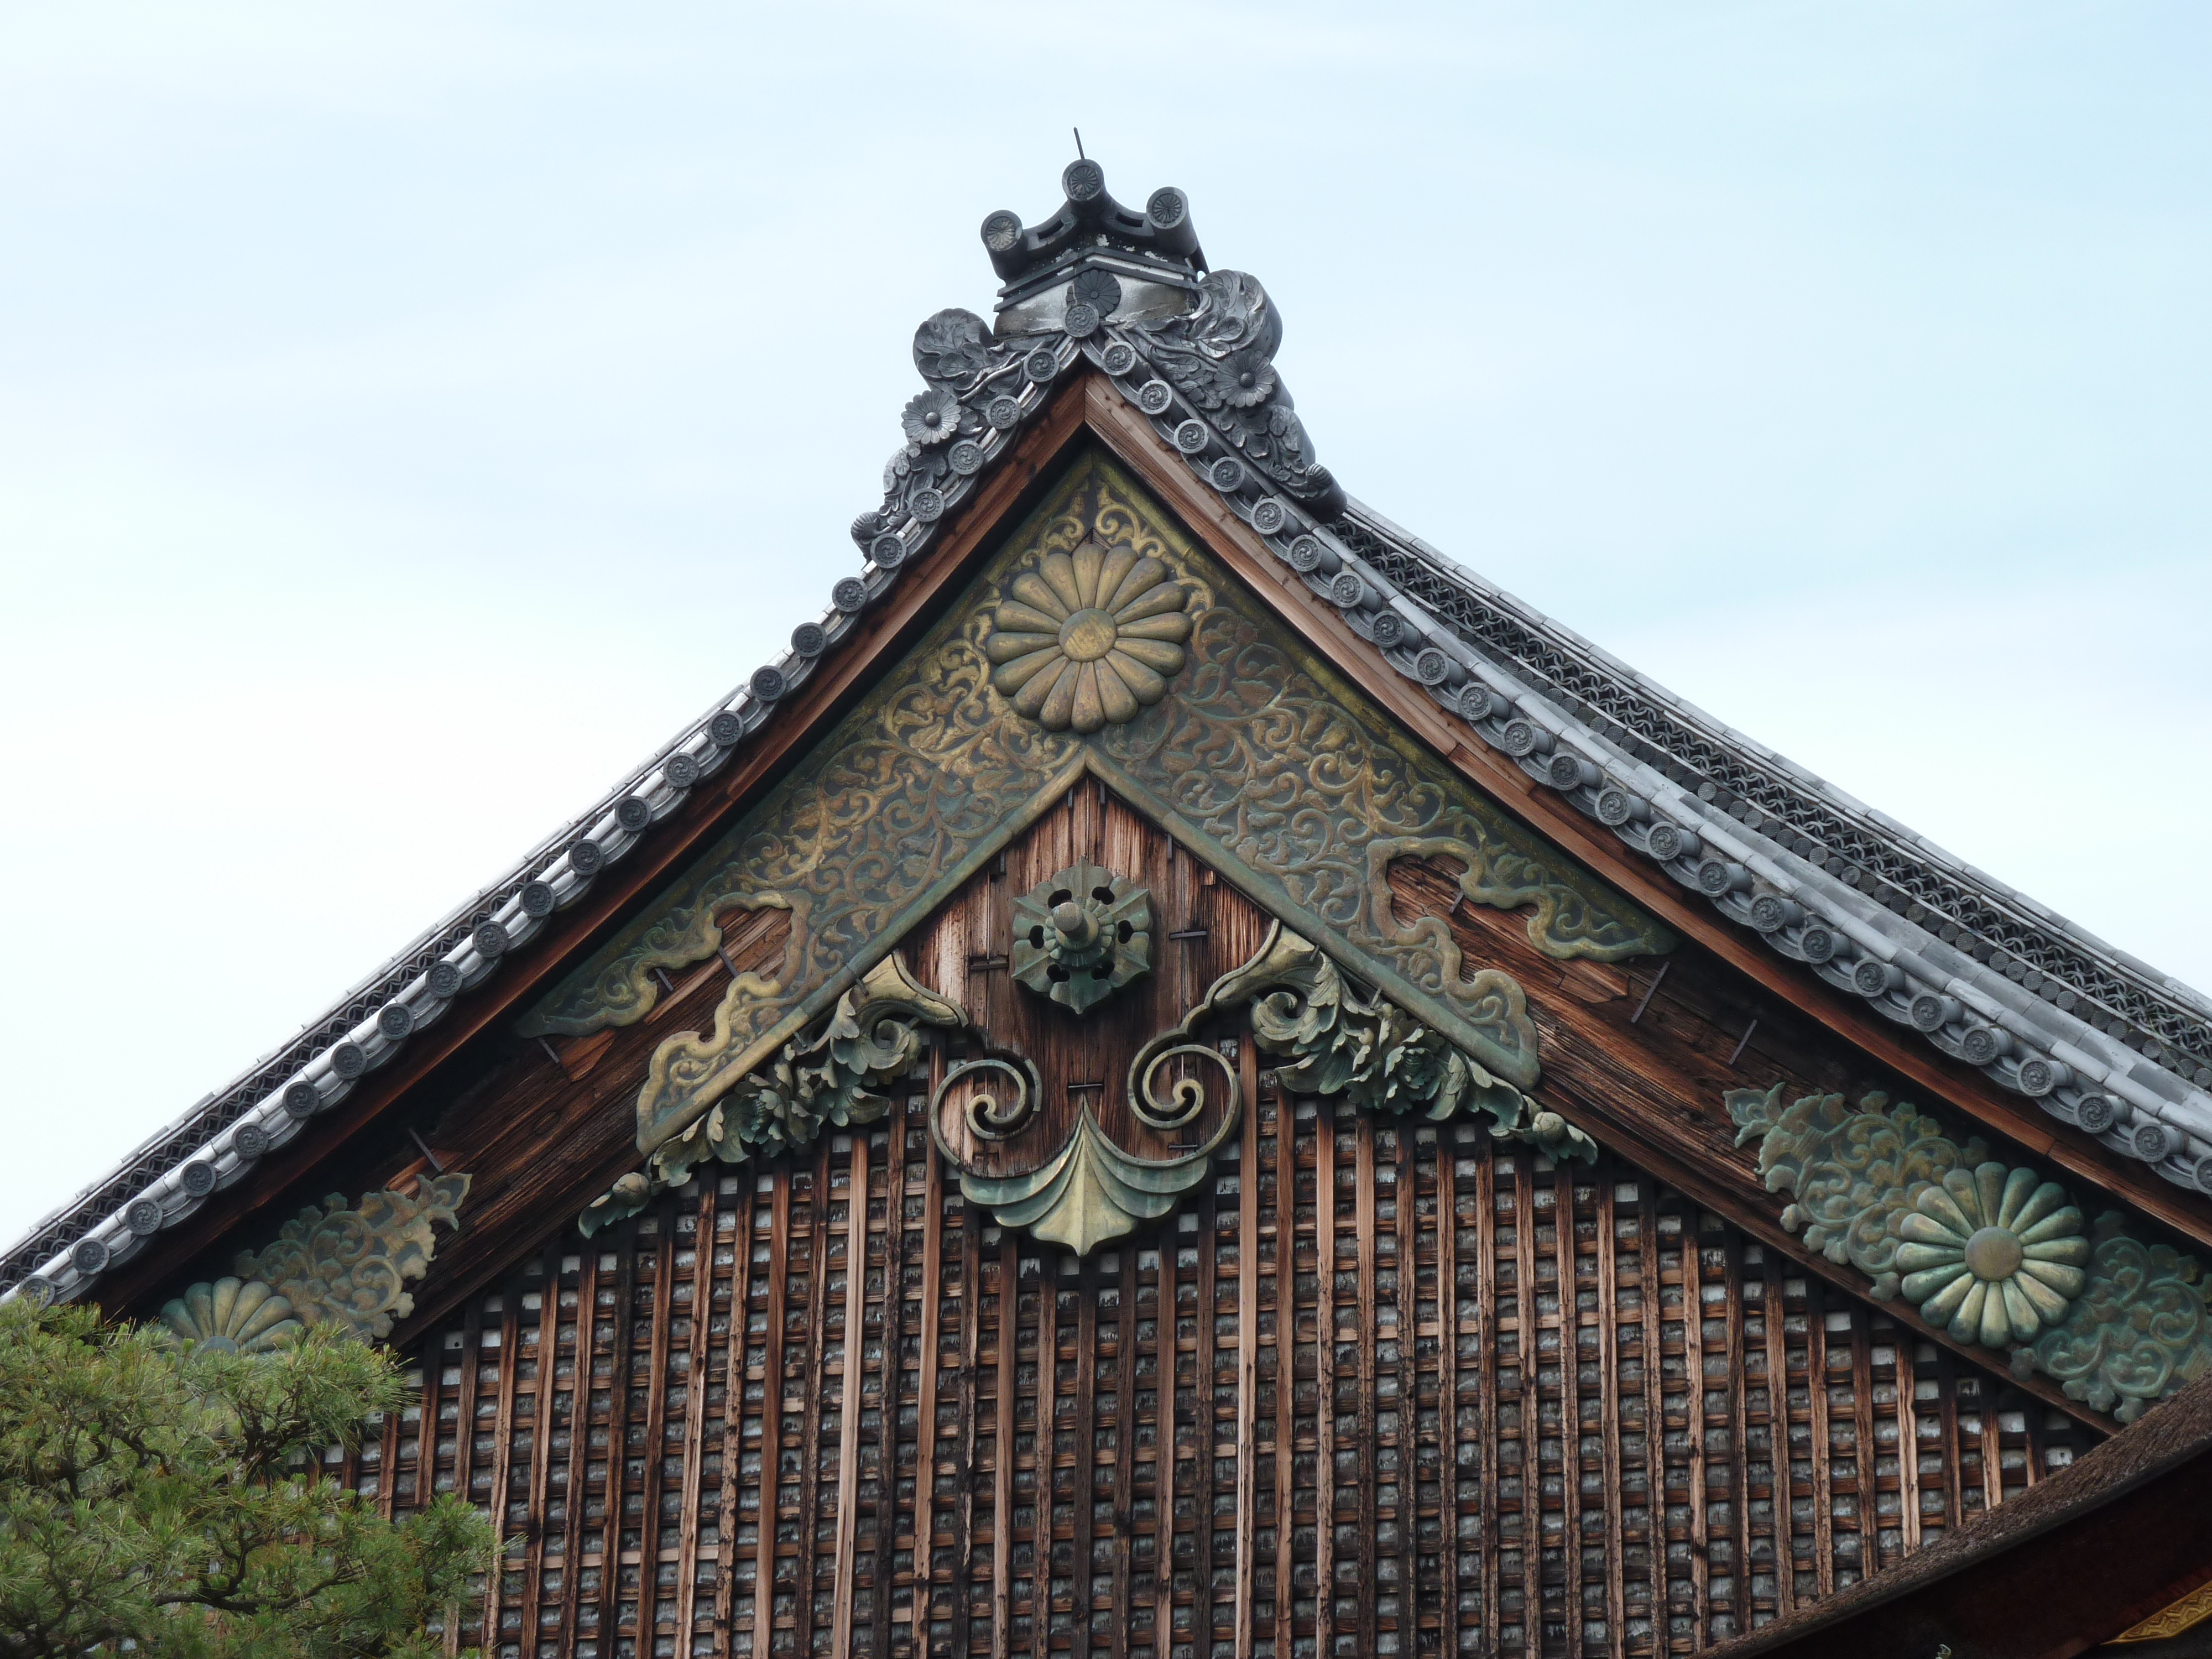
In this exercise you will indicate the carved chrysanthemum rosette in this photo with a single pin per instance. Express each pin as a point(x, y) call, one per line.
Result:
point(1089, 639)
point(1081, 935)
point(1996, 1253)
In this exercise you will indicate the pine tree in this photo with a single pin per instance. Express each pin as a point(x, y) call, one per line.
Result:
point(166, 1498)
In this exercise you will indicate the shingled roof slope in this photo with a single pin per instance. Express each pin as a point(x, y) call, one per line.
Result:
point(2101, 1040)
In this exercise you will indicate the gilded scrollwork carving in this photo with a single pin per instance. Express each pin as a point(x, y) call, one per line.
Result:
point(827, 1078)
point(1263, 759)
point(1332, 1038)
point(1993, 1253)
point(1080, 935)
point(335, 1263)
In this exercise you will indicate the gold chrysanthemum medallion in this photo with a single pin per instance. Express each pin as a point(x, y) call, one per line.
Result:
point(1088, 639)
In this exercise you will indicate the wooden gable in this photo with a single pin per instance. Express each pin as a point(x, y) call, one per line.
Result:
point(826, 1283)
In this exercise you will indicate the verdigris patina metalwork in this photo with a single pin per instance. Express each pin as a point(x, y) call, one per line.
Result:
point(1992, 1253)
point(826, 1078)
point(335, 1263)
point(1080, 935)
point(1333, 1040)
point(1260, 757)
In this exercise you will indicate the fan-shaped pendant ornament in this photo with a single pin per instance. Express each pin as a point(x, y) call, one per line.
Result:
point(1081, 935)
point(1088, 639)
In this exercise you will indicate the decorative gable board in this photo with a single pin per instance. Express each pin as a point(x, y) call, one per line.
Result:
point(1431, 1389)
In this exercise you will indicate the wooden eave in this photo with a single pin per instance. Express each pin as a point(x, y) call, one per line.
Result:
point(368, 1132)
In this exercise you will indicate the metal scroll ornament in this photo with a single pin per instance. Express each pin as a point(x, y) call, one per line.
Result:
point(335, 1263)
point(1090, 1190)
point(1298, 786)
point(1335, 1040)
point(1081, 935)
point(1990, 1254)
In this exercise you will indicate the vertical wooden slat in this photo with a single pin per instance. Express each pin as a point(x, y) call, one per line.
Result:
point(963, 1450)
point(1693, 1367)
point(1908, 1441)
point(465, 1428)
point(1363, 1350)
point(577, 1497)
point(1405, 1304)
point(924, 1459)
point(1247, 1341)
point(695, 1411)
point(898, 1242)
point(1651, 1342)
point(1739, 1403)
point(1566, 1230)
point(1528, 1334)
point(1816, 1392)
point(1163, 1447)
point(733, 1413)
point(1773, 1316)
point(1047, 1457)
point(1002, 1467)
point(1448, 1388)
point(1325, 1377)
point(849, 1422)
point(1286, 1331)
point(1488, 1322)
point(1125, 1445)
point(656, 1427)
point(541, 1442)
point(1608, 1371)
point(1202, 1411)
point(779, 1270)
point(1947, 1372)
point(809, 1382)
point(387, 1466)
point(1869, 1494)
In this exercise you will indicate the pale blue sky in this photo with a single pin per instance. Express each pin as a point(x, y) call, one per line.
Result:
point(410, 414)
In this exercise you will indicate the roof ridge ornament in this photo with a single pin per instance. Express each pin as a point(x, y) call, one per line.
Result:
point(1093, 231)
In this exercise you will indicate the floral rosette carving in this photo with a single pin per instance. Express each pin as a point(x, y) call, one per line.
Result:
point(944, 425)
point(1996, 1253)
point(232, 1316)
point(333, 1263)
point(1852, 1170)
point(1992, 1255)
point(1090, 639)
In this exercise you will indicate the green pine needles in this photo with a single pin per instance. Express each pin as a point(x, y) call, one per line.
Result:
point(162, 1498)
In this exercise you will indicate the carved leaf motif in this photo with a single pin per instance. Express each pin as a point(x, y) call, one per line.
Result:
point(1262, 751)
point(1883, 1188)
point(332, 1263)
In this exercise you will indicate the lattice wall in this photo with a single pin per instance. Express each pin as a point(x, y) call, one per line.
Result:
point(1460, 1414)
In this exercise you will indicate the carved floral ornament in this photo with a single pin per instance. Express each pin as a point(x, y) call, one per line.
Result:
point(1080, 935)
point(1088, 639)
point(334, 1263)
point(1332, 1039)
point(1298, 789)
point(1993, 1254)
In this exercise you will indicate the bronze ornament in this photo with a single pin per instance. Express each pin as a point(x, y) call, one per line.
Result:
point(1260, 757)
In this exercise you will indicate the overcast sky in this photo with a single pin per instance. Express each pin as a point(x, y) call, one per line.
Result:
point(412, 413)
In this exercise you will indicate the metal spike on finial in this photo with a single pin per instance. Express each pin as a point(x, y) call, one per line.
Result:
point(1079, 156)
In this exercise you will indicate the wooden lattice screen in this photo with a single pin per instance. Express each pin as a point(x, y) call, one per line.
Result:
point(824, 1409)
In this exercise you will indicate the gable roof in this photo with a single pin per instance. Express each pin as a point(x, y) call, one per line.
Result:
point(2102, 1042)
